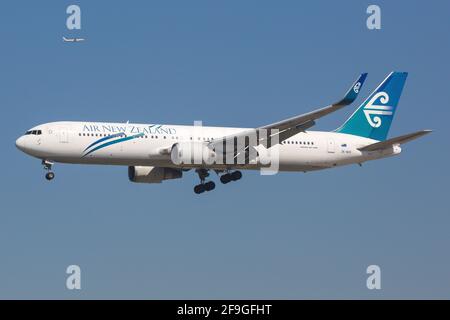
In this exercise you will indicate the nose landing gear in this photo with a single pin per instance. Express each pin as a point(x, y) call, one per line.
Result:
point(50, 175)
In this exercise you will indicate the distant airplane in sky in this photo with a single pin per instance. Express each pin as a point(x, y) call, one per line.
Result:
point(154, 153)
point(73, 39)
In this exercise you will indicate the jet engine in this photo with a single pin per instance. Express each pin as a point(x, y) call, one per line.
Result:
point(143, 174)
point(192, 153)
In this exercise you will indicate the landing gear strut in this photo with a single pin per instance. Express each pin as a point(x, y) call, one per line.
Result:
point(50, 175)
point(203, 186)
point(228, 177)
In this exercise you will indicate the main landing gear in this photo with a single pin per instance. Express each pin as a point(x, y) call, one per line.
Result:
point(228, 177)
point(50, 175)
point(203, 186)
point(210, 185)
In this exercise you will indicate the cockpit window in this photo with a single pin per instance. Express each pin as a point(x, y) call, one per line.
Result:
point(34, 132)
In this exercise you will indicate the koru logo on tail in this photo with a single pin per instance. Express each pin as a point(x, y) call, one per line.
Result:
point(374, 110)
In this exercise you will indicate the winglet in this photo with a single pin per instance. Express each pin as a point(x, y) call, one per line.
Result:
point(352, 93)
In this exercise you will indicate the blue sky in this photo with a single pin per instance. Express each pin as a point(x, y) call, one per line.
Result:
point(227, 63)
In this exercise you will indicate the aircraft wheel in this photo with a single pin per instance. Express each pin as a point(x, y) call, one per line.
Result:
point(236, 175)
point(210, 186)
point(225, 178)
point(200, 188)
point(50, 176)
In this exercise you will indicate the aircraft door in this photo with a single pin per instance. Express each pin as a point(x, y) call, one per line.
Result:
point(331, 146)
point(63, 135)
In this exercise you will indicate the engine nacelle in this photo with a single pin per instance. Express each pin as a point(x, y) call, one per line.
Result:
point(192, 153)
point(142, 174)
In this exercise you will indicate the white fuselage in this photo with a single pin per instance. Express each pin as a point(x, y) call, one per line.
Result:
point(142, 145)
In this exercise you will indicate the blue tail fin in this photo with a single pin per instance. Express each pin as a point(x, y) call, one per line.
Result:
point(374, 116)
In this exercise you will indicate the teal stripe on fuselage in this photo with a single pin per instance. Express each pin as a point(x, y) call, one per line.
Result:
point(114, 142)
point(104, 139)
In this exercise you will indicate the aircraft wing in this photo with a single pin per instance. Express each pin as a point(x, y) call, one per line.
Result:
point(290, 127)
point(305, 118)
point(394, 141)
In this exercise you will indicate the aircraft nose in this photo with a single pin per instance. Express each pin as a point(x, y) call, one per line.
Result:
point(20, 143)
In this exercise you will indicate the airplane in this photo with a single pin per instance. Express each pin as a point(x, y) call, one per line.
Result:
point(152, 151)
point(73, 39)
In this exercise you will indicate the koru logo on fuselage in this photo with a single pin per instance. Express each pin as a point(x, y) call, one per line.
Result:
point(374, 110)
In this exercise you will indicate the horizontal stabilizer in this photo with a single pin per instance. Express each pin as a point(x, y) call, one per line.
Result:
point(394, 141)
